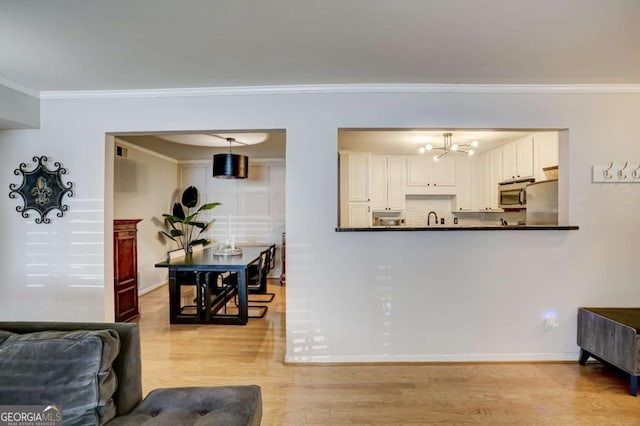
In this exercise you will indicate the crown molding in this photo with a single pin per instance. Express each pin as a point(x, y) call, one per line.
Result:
point(18, 87)
point(346, 88)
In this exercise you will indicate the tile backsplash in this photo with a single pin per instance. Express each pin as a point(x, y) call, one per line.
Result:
point(418, 207)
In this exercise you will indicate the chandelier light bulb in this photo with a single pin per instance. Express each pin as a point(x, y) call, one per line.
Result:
point(421, 150)
point(454, 147)
point(428, 147)
point(436, 158)
point(470, 152)
point(474, 144)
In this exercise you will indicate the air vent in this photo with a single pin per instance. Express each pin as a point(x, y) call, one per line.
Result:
point(121, 151)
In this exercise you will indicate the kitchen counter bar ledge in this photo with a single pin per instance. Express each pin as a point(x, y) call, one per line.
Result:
point(464, 228)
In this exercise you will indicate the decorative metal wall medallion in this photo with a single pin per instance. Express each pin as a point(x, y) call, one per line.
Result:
point(42, 189)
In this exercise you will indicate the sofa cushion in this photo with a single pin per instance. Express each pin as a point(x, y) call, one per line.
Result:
point(216, 405)
point(69, 369)
point(4, 334)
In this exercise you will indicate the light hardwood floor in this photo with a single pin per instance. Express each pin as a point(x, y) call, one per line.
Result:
point(393, 394)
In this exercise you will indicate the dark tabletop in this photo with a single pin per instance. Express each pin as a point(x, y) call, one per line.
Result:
point(207, 258)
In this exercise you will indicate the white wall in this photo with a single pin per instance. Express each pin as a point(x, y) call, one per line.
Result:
point(145, 186)
point(18, 110)
point(362, 296)
point(252, 210)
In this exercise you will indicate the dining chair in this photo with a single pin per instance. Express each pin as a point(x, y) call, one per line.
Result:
point(257, 284)
point(272, 258)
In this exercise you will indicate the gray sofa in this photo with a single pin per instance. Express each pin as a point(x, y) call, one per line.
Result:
point(92, 371)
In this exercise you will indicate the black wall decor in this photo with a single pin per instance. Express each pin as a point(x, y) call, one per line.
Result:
point(42, 189)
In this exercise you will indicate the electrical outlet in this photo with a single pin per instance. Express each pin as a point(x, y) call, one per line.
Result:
point(551, 321)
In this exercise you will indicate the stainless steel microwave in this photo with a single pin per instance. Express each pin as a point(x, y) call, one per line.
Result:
point(513, 195)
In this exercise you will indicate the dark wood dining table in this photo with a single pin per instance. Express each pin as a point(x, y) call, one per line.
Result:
point(201, 263)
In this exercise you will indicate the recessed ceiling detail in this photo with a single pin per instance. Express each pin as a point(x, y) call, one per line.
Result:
point(214, 139)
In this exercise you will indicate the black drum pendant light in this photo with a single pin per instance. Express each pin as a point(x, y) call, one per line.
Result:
point(230, 166)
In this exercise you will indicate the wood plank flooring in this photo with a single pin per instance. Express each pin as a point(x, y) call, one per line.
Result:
point(381, 394)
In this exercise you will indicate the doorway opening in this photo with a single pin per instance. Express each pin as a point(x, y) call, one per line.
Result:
point(148, 172)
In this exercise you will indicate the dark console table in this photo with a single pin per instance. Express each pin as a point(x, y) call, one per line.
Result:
point(611, 335)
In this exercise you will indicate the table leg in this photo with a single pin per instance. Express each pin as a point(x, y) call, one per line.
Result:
point(243, 302)
point(584, 356)
point(199, 296)
point(633, 385)
point(174, 296)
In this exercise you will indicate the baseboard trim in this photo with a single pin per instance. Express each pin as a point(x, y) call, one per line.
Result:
point(143, 291)
point(432, 358)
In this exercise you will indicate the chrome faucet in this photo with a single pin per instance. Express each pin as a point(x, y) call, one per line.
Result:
point(429, 218)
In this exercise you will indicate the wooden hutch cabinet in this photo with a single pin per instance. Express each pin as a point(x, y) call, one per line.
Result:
point(125, 269)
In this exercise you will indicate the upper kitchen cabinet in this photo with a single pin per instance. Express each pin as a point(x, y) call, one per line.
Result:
point(489, 174)
point(517, 159)
point(428, 177)
point(355, 179)
point(388, 181)
point(464, 187)
point(358, 171)
point(546, 146)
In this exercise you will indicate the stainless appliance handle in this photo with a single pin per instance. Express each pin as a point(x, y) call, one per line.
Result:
point(521, 197)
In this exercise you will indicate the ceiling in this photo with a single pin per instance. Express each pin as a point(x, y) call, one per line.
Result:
point(145, 44)
point(272, 143)
point(408, 141)
point(192, 146)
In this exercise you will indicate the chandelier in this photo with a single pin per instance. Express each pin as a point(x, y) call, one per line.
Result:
point(449, 147)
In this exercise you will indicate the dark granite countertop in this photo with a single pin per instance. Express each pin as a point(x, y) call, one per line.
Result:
point(463, 228)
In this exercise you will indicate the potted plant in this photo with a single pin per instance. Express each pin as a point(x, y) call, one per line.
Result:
point(186, 230)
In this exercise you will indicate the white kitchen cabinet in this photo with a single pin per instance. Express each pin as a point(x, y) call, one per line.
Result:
point(495, 166)
point(359, 215)
point(464, 185)
point(546, 147)
point(418, 171)
point(355, 177)
point(524, 157)
point(358, 164)
point(489, 174)
point(444, 172)
point(428, 177)
point(517, 159)
point(388, 183)
point(509, 162)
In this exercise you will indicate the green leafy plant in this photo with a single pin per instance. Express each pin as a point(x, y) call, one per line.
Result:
point(185, 228)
